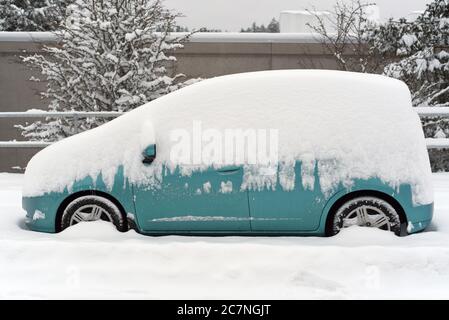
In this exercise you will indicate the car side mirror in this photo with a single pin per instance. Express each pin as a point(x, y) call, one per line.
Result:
point(149, 154)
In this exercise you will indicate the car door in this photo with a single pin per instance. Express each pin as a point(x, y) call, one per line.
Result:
point(276, 209)
point(206, 201)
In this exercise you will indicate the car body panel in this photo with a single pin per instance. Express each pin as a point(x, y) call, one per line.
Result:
point(210, 200)
point(296, 210)
point(48, 204)
point(402, 194)
point(176, 207)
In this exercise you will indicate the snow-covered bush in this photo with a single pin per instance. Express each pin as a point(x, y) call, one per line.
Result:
point(31, 15)
point(114, 55)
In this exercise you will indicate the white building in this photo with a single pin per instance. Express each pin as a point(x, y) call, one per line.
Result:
point(412, 16)
point(298, 21)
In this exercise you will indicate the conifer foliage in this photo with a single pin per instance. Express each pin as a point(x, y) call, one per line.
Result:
point(420, 47)
point(31, 15)
point(420, 50)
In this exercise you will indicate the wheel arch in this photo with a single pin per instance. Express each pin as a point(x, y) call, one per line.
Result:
point(79, 194)
point(363, 193)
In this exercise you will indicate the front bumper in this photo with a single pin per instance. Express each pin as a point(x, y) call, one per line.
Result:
point(41, 212)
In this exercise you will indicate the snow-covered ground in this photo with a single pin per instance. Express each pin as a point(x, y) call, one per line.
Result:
point(95, 261)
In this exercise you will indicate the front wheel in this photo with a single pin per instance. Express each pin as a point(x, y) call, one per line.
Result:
point(369, 212)
point(92, 208)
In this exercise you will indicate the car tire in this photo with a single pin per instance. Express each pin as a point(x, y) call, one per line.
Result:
point(92, 208)
point(366, 212)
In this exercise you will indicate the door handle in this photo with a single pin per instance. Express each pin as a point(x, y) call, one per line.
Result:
point(228, 170)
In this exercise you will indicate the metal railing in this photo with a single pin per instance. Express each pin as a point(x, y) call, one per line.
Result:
point(437, 143)
point(24, 144)
point(429, 112)
point(49, 114)
point(433, 112)
point(426, 112)
point(35, 113)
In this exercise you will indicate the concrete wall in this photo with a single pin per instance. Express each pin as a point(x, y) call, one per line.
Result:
point(206, 55)
point(214, 59)
point(17, 93)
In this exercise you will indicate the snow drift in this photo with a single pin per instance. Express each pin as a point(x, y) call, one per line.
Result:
point(347, 125)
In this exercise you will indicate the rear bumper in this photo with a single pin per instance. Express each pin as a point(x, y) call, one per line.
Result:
point(419, 218)
point(418, 226)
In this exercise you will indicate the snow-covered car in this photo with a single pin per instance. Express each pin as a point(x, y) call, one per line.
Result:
point(322, 151)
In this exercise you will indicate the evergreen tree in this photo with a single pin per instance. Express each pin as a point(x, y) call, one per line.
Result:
point(31, 15)
point(420, 46)
point(419, 49)
point(110, 58)
point(209, 30)
point(273, 27)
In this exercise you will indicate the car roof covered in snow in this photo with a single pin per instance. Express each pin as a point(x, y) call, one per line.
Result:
point(349, 125)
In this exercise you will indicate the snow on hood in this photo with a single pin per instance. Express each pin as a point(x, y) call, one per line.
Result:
point(348, 125)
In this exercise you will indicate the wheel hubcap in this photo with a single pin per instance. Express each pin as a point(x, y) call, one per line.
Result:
point(368, 212)
point(367, 216)
point(90, 213)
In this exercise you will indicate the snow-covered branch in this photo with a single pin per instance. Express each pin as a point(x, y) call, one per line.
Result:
point(113, 55)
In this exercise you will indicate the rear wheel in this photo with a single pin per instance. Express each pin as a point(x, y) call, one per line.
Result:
point(368, 212)
point(92, 208)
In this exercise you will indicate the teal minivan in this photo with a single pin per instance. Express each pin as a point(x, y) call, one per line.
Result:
point(321, 151)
